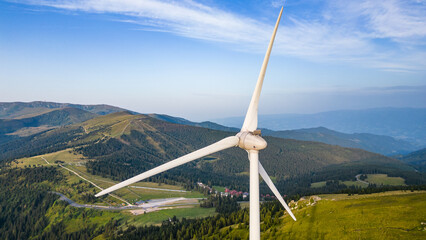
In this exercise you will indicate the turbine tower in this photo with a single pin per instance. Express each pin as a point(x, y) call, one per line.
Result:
point(248, 139)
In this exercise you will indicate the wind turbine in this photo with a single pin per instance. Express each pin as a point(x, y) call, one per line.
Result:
point(248, 139)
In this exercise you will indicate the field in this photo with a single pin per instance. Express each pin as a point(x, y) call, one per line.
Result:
point(155, 218)
point(383, 179)
point(66, 156)
point(378, 179)
point(391, 215)
point(355, 183)
point(219, 188)
point(318, 184)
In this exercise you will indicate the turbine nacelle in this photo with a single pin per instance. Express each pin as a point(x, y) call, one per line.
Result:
point(251, 140)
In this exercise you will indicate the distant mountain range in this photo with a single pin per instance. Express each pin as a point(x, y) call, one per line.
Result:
point(183, 121)
point(374, 143)
point(402, 123)
point(21, 119)
point(24, 119)
point(56, 117)
point(11, 110)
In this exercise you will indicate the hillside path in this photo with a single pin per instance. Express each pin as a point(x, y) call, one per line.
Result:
point(78, 175)
point(359, 180)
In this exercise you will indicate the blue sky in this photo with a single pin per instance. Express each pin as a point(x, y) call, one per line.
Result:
point(200, 59)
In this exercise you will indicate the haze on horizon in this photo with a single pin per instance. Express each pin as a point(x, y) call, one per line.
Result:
point(200, 59)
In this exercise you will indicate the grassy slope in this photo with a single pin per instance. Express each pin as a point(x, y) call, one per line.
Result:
point(383, 179)
point(365, 217)
point(390, 215)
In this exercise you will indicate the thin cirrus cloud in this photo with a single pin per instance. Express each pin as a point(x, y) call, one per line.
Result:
point(398, 20)
point(387, 35)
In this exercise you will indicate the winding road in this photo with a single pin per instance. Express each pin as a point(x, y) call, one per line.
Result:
point(359, 180)
point(155, 203)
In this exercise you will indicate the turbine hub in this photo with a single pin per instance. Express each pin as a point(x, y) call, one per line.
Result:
point(251, 141)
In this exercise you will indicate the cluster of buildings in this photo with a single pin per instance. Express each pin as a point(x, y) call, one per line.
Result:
point(228, 192)
point(235, 193)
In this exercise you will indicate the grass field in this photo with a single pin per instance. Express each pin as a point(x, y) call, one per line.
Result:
point(347, 183)
point(219, 188)
point(67, 156)
point(154, 218)
point(355, 183)
point(318, 184)
point(391, 215)
point(378, 179)
point(383, 179)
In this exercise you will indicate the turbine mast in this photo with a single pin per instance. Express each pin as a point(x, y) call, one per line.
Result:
point(254, 195)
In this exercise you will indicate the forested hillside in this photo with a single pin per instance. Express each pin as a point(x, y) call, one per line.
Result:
point(122, 145)
point(417, 159)
point(24, 203)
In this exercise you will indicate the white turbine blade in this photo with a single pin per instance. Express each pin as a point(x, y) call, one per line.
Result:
point(250, 122)
point(271, 185)
point(215, 147)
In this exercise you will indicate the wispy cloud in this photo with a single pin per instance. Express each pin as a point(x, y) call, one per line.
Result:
point(395, 19)
point(344, 31)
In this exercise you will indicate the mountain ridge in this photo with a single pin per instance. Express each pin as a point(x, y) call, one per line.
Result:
point(407, 124)
point(33, 110)
point(416, 158)
point(371, 142)
point(10, 110)
point(127, 144)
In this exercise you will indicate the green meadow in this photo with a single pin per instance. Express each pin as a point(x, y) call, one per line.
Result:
point(391, 215)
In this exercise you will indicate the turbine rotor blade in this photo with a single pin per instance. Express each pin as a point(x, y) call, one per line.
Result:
point(250, 122)
point(271, 185)
point(215, 147)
